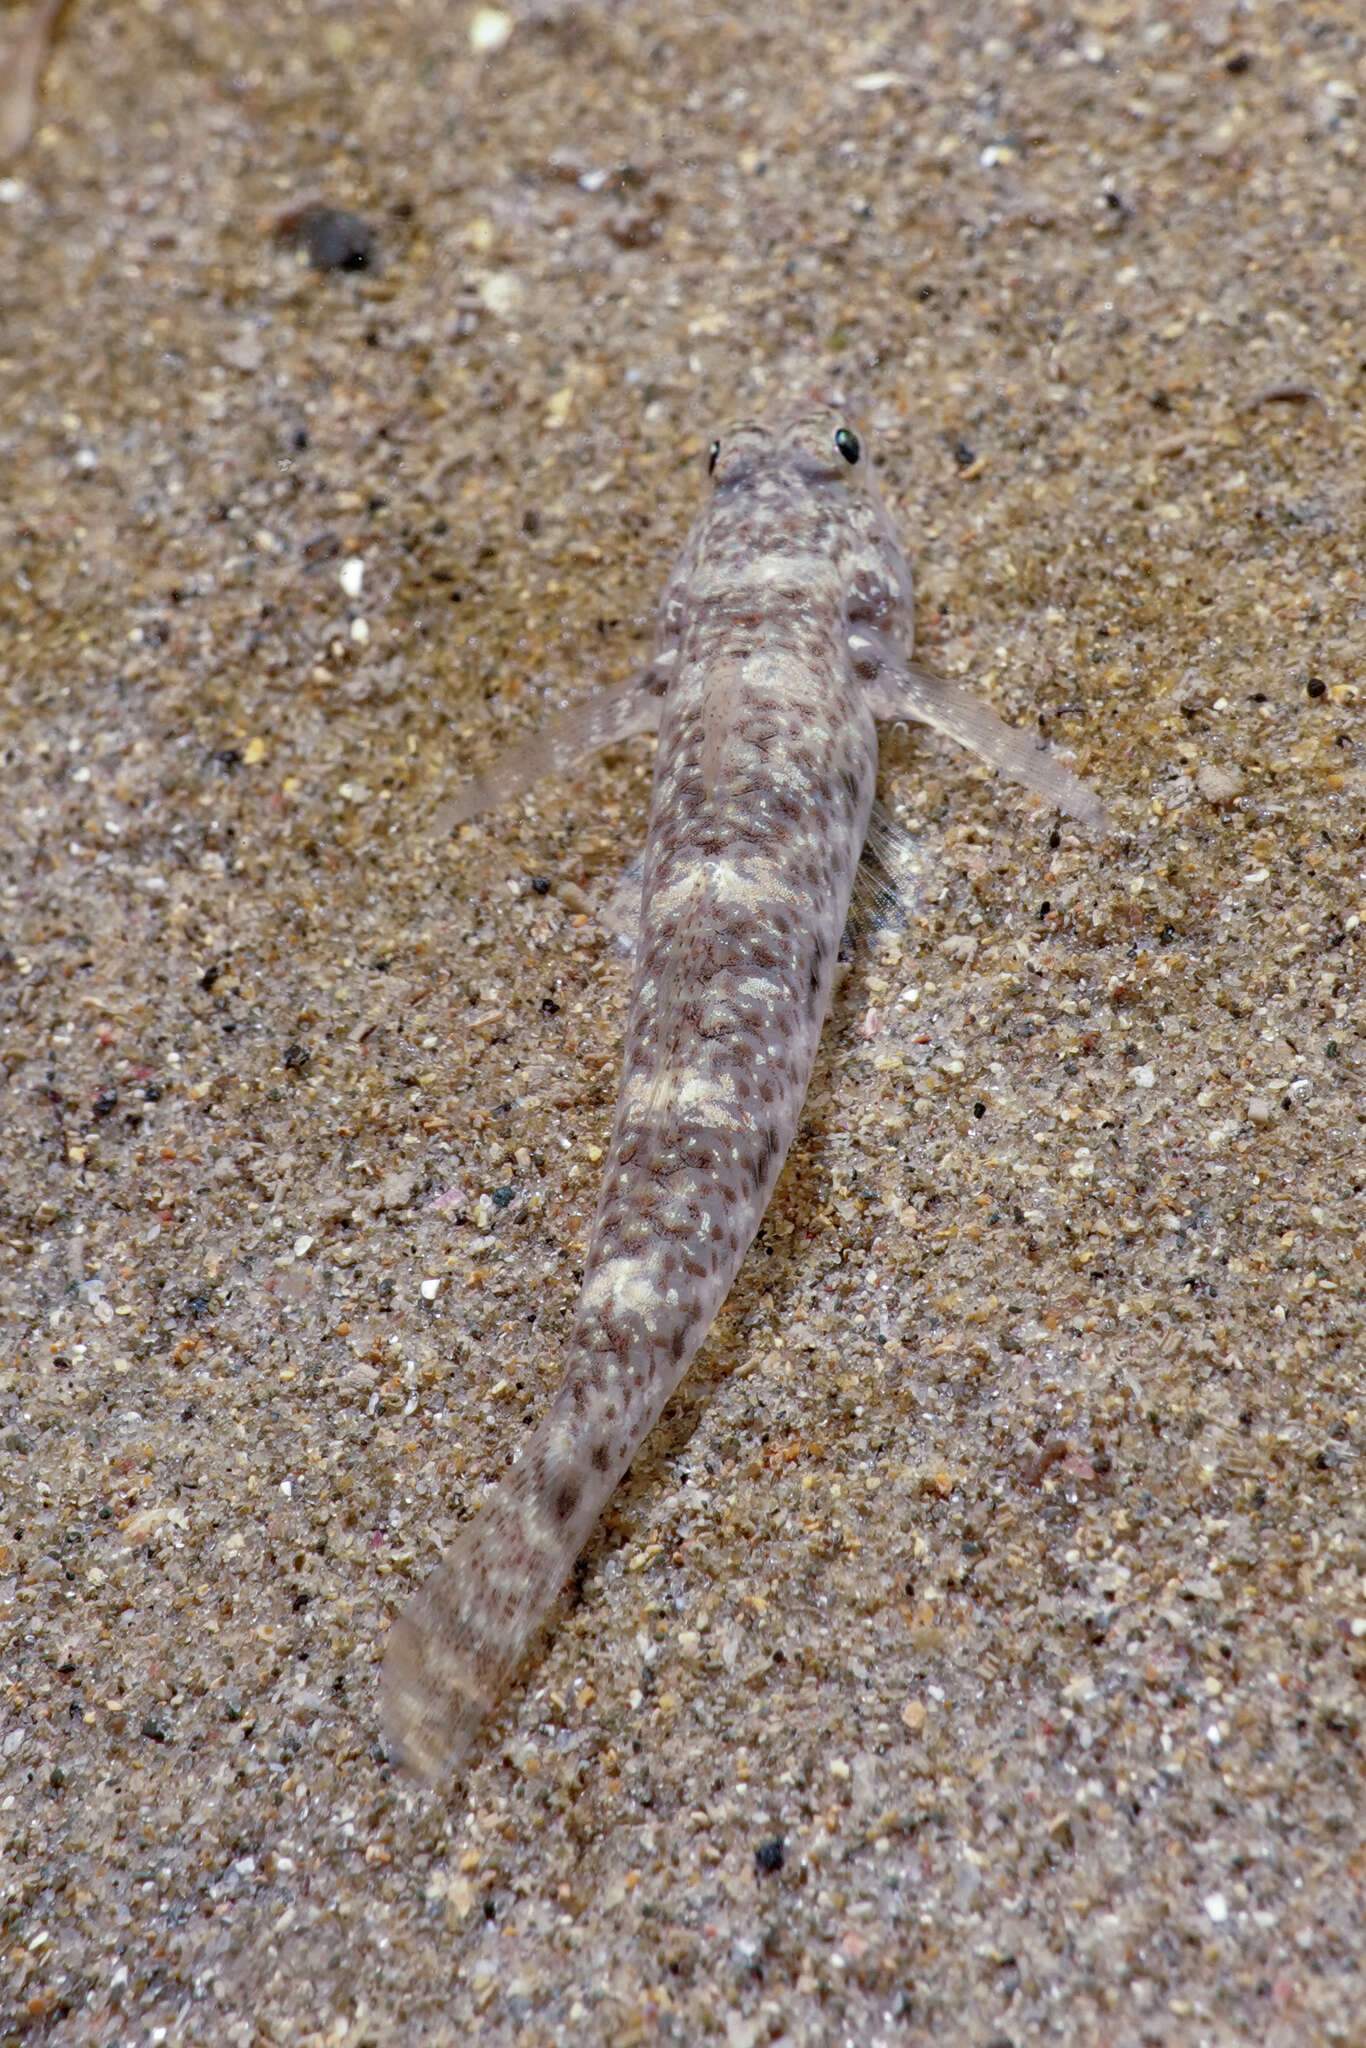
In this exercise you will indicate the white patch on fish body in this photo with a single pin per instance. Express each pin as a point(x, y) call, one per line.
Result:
point(785, 630)
point(721, 881)
point(618, 1280)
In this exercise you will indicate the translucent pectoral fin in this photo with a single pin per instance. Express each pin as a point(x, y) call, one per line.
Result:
point(888, 880)
point(569, 737)
point(902, 689)
point(620, 914)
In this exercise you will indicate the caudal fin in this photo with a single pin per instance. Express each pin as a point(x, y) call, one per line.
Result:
point(458, 1642)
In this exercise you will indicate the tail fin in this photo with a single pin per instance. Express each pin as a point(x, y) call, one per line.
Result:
point(455, 1646)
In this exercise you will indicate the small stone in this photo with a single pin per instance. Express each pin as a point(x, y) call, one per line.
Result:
point(335, 239)
point(1259, 1110)
point(490, 29)
point(1218, 785)
point(1216, 1908)
point(501, 293)
point(396, 1190)
point(247, 352)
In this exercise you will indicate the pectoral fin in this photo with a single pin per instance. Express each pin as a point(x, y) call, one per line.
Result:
point(900, 689)
point(569, 737)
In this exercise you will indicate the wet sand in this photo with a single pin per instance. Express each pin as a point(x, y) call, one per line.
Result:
point(978, 1651)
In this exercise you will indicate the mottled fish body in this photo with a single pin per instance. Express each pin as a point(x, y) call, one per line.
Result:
point(784, 633)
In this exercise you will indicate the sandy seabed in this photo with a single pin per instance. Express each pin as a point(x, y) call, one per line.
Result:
point(977, 1653)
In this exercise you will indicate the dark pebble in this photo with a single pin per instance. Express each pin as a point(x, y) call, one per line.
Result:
point(334, 239)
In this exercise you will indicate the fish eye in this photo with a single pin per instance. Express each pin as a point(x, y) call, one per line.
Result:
point(712, 454)
point(847, 443)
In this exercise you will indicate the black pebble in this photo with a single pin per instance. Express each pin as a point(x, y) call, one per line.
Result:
point(335, 239)
point(770, 1856)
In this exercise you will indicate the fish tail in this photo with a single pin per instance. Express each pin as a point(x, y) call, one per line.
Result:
point(454, 1648)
